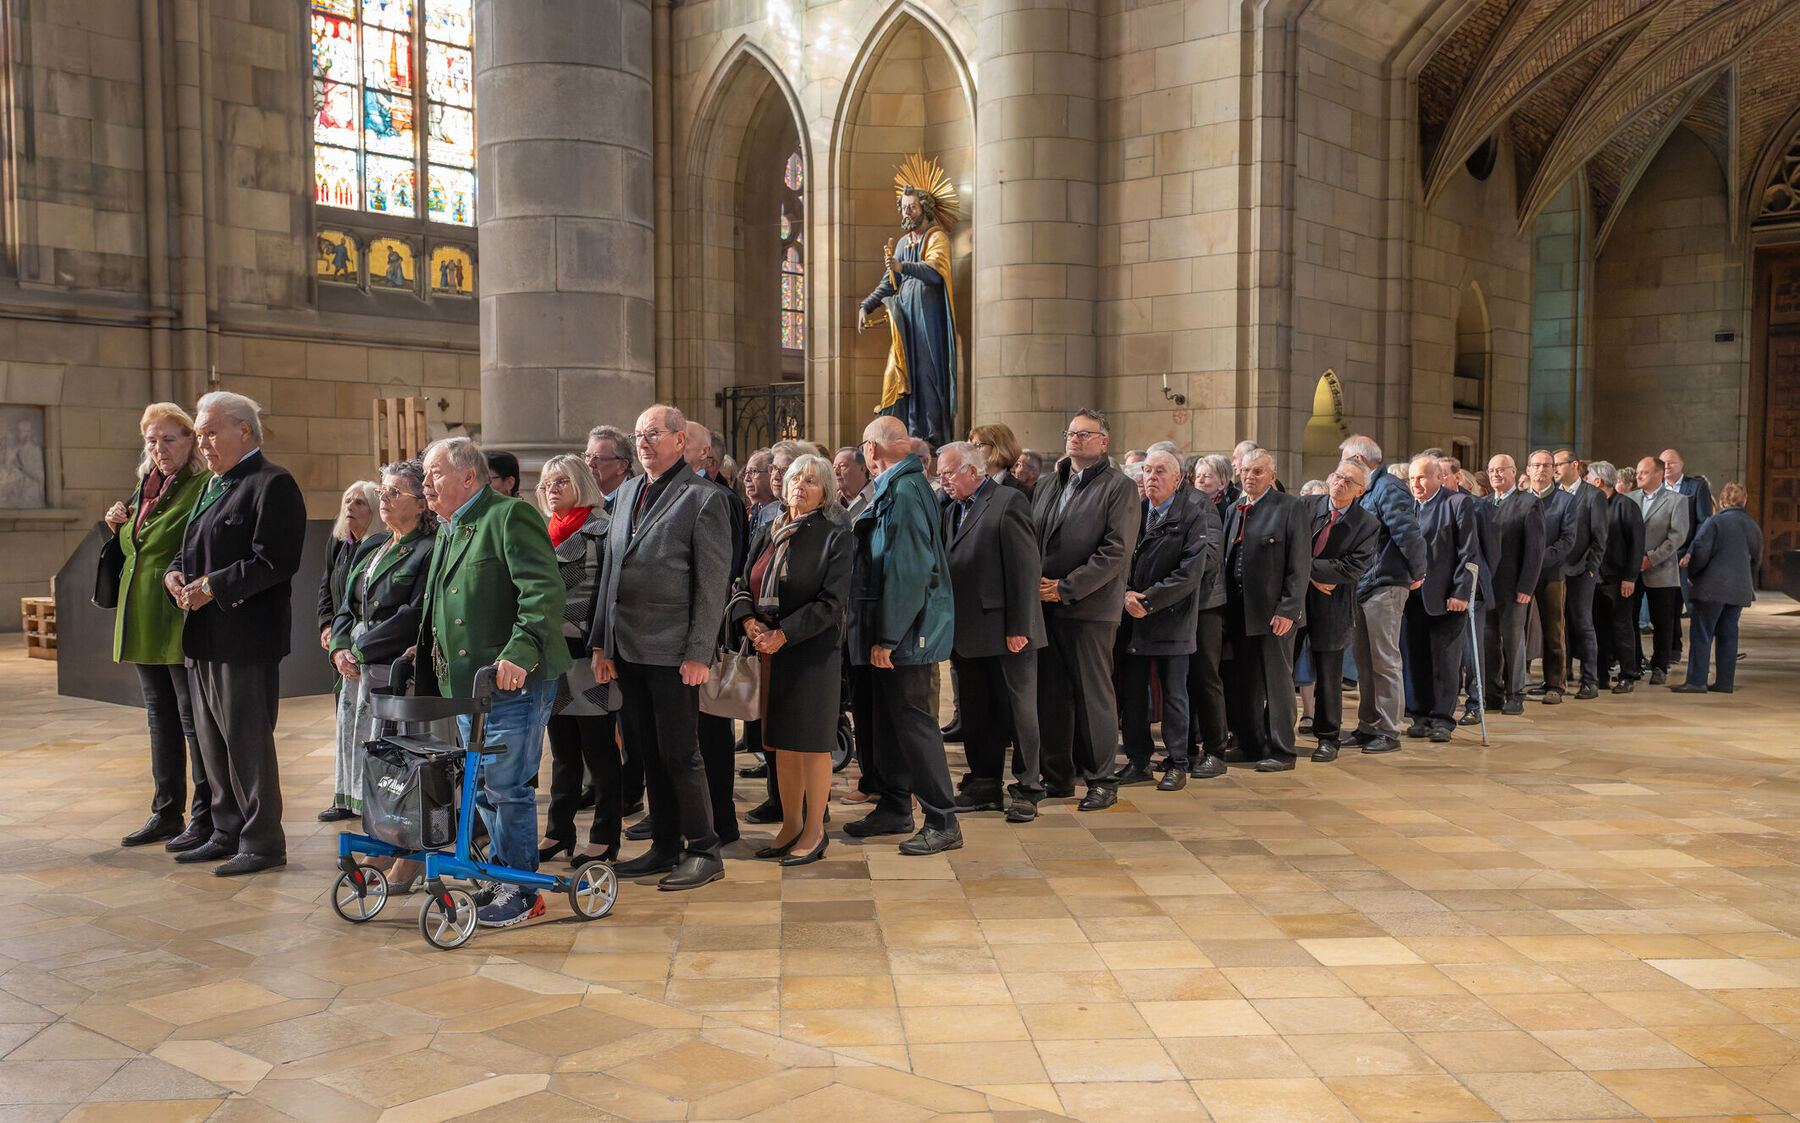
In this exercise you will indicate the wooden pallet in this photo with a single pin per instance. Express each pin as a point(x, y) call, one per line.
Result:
point(38, 616)
point(399, 429)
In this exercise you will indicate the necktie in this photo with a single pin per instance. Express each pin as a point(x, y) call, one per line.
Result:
point(1325, 533)
point(1156, 519)
point(1243, 516)
point(962, 510)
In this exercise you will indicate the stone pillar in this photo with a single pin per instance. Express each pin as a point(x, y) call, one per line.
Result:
point(564, 212)
point(1036, 242)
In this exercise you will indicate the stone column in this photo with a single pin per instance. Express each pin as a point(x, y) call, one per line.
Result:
point(1036, 243)
point(564, 212)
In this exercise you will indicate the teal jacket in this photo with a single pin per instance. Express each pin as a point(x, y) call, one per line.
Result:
point(147, 628)
point(900, 593)
point(494, 592)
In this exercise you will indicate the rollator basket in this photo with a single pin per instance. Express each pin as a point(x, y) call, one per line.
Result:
point(409, 791)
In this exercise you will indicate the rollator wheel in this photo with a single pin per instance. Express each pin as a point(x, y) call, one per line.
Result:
point(593, 891)
point(359, 894)
point(437, 926)
point(846, 744)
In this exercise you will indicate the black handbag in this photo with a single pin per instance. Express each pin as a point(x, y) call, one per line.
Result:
point(108, 571)
point(410, 790)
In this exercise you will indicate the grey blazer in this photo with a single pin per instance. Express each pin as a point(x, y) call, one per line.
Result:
point(672, 577)
point(1665, 532)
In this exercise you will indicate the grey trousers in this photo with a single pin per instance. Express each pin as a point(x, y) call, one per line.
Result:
point(1382, 692)
point(235, 707)
point(1503, 656)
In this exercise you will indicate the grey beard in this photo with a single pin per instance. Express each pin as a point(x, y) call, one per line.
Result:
point(911, 224)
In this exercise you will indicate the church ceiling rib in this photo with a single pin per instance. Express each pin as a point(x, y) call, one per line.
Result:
point(1768, 93)
point(1446, 74)
point(1535, 123)
point(1616, 168)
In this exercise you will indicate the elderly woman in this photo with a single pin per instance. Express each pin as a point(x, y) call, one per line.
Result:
point(1723, 566)
point(147, 628)
point(1000, 446)
point(792, 606)
point(377, 620)
point(1212, 477)
point(581, 731)
point(356, 513)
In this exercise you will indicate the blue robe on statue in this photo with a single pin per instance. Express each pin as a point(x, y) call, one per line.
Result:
point(922, 357)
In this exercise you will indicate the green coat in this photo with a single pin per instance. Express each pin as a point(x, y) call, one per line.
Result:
point(147, 626)
point(494, 592)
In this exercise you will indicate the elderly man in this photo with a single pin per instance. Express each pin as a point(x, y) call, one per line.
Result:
point(1563, 521)
point(1381, 596)
point(1615, 615)
point(609, 459)
point(902, 623)
point(1177, 548)
point(494, 596)
point(994, 573)
point(1666, 514)
point(1267, 563)
point(853, 481)
point(718, 742)
point(1087, 522)
point(1581, 570)
point(1344, 538)
point(1436, 613)
point(1700, 508)
point(1520, 530)
point(656, 629)
point(759, 491)
point(233, 578)
point(1027, 468)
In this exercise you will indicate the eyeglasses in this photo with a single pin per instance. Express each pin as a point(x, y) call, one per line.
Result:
point(650, 436)
point(984, 444)
point(1081, 434)
point(756, 471)
point(556, 484)
point(1562, 463)
point(392, 493)
point(594, 460)
point(1348, 481)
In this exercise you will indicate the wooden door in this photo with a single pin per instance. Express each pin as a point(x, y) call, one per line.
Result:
point(1775, 413)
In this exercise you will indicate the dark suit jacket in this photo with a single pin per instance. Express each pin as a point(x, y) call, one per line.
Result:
point(1700, 505)
point(1450, 545)
point(663, 589)
point(339, 554)
point(1487, 540)
point(1727, 556)
point(1563, 532)
point(1583, 558)
point(1349, 552)
point(1087, 548)
point(994, 572)
point(1521, 531)
point(394, 604)
point(740, 527)
point(1624, 555)
point(246, 543)
point(1169, 567)
point(806, 675)
point(1268, 560)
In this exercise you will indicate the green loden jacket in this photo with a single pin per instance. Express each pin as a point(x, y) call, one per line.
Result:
point(147, 627)
point(494, 592)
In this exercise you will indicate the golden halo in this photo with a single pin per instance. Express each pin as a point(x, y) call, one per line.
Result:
point(927, 177)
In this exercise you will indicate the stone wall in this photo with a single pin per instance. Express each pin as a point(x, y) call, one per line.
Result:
point(1558, 323)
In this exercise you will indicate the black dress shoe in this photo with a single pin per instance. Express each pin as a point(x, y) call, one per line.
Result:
point(1380, 744)
point(1274, 764)
point(930, 840)
point(778, 851)
point(877, 823)
point(208, 851)
point(249, 863)
point(583, 858)
point(1098, 798)
point(765, 812)
point(1440, 734)
point(1023, 809)
point(1206, 767)
point(1513, 707)
point(692, 872)
point(648, 863)
point(981, 795)
point(1717, 689)
point(546, 853)
point(1624, 686)
point(953, 731)
point(1306, 725)
point(634, 809)
point(755, 772)
point(337, 815)
point(1688, 688)
point(1658, 676)
point(1134, 773)
point(809, 857)
point(156, 830)
point(1471, 716)
point(1173, 780)
point(196, 834)
point(640, 830)
point(1418, 729)
point(1325, 753)
point(1587, 692)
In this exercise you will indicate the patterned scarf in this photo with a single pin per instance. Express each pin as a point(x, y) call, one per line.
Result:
point(768, 598)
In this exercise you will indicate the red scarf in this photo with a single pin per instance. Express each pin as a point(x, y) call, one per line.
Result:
point(567, 523)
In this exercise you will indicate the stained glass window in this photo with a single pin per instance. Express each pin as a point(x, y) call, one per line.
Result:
point(793, 259)
point(795, 174)
point(377, 143)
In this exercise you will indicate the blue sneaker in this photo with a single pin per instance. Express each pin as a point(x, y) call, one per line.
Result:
point(510, 906)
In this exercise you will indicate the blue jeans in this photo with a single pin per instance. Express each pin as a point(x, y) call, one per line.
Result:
point(1713, 624)
point(508, 805)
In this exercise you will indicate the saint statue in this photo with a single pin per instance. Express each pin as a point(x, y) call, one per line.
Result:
point(915, 299)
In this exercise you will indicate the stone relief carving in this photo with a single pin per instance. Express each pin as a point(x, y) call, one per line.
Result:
point(21, 456)
point(1781, 197)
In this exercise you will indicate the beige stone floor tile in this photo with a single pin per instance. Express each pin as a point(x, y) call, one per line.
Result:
point(949, 990)
point(1286, 982)
point(1547, 1096)
point(1272, 1100)
point(1084, 1061)
point(836, 1102)
point(936, 1025)
point(619, 1099)
point(1229, 1058)
point(1011, 1061)
point(1203, 1018)
point(1069, 1021)
point(1362, 1054)
point(695, 1070)
point(912, 1088)
point(834, 1028)
point(1101, 1103)
point(837, 991)
point(1291, 1016)
point(1490, 1051)
point(65, 1041)
point(1732, 1046)
point(146, 1111)
point(1194, 985)
point(1724, 974)
point(214, 1062)
point(1594, 1050)
point(1664, 1092)
point(1423, 1099)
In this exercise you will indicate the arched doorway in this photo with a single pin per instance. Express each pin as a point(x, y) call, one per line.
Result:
point(910, 92)
point(1474, 363)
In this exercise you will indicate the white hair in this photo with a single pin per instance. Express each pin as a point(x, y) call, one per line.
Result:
point(1605, 470)
point(463, 454)
point(966, 452)
point(1258, 453)
point(235, 406)
point(1361, 448)
point(1164, 454)
point(810, 466)
point(340, 529)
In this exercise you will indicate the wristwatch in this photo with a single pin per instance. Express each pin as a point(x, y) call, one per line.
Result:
point(206, 586)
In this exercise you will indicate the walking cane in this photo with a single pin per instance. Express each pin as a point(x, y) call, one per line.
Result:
point(1480, 691)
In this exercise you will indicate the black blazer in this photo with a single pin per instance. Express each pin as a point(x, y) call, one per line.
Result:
point(1349, 552)
point(1700, 505)
point(1450, 545)
point(1268, 560)
point(394, 606)
point(1521, 530)
point(1169, 567)
point(740, 527)
point(994, 572)
point(813, 597)
point(1624, 556)
point(1563, 532)
point(339, 556)
point(247, 544)
point(1583, 559)
point(1481, 516)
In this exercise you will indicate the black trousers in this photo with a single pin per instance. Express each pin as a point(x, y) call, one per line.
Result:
point(1615, 632)
point(1171, 672)
point(1077, 712)
point(1578, 620)
point(174, 747)
point(909, 744)
point(1328, 694)
point(1435, 645)
point(1665, 624)
point(235, 706)
point(1206, 685)
point(862, 717)
point(1503, 656)
point(577, 745)
point(1263, 668)
point(718, 751)
point(660, 720)
point(999, 708)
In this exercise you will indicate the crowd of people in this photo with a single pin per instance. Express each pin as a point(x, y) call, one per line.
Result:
point(1079, 605)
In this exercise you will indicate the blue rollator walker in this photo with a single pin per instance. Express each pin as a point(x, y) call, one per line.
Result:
point(448, 917)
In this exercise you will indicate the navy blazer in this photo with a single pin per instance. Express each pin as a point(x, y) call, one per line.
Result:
point(1726, 559)
point(1700, 505)
point(1450, 545)
point(1591, 507)
point(1562, 525)
point(1349, 551)
point(1169, 567)
point(1522, 528)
